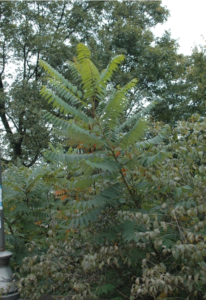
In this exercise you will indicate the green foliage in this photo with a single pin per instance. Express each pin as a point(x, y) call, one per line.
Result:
point(99, 171)
point(118, 209)
point(50, 31)
point(29, 207)
point(96, 133)
point(185, 96)
point(29, 32)
point(131, 220)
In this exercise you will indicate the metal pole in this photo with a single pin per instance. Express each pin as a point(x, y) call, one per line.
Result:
point(2, 236)
point(7, 287)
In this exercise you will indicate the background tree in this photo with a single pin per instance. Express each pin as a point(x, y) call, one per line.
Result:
point(152, 60)
point(196, 79)
point(50, 31)
point(186, 94)
point(33, 30)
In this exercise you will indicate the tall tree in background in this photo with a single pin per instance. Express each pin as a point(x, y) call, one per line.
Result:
point(186, 95)
point(33, 30)
point(50, 31)
point(196, 82)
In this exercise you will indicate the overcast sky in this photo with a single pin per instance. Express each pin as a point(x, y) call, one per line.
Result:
point(187, 23)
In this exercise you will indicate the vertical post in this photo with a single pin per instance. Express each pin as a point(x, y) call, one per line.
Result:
point(2, 236)
point(8, 288)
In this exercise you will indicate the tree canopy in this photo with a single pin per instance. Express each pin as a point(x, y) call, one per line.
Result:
point(51, 31)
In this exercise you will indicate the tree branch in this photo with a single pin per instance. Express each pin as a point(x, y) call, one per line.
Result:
point(32, 161)
point(61, 17)
point(3, 58)
point(2, 112)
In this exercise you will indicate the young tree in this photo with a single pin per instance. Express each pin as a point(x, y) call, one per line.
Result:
point(106, 171)
point(135, 221)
